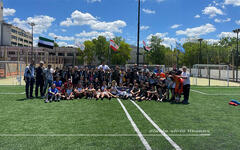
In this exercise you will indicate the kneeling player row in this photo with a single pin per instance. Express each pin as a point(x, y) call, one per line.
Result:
point(100, 92)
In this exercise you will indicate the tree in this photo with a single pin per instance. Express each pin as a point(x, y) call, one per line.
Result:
point(80, 57)
point(157, 54)
point(101, 48)
point(89, 52)
point(123, 54)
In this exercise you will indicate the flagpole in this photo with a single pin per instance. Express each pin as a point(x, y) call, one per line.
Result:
point(108, 54)
point(138, 36)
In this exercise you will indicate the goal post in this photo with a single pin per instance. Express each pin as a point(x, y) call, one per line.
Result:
point(150, 67)
point(210, 75)
point(11, 72)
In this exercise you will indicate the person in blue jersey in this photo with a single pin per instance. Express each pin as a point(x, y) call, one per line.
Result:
point(58, 83)
point(53, 94)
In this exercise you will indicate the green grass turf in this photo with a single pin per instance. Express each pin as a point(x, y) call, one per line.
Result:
point(19, 116)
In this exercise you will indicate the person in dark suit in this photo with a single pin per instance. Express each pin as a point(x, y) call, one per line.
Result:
point(39, 79)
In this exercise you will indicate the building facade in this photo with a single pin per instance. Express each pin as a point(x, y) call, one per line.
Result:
point(11, 35)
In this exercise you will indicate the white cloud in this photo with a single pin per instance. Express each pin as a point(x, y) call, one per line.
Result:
point(232, 2)
point(211, 41)
point(62, 38)
point(63, 30)
point(93, 1)
point(42, 23)
point(144, 27)
point(237, 22)
point(8, 12)
point(175, 26)
point(226, 34)
point(197, 16)
point(197, 31)
point(212, 11)
point(159, 35)
point(95, 34)
point(222, 20)
point(148, 11)
point(79, 19)
point(61, 44)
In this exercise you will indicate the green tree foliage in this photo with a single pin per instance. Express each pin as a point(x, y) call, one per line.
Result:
point(123, 54)
point(89, 52)
point(101, 48)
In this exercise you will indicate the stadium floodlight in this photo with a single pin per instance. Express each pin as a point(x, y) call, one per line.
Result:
point(237, 53)
point(138, 32)
point(200, 52)
point(32, 24)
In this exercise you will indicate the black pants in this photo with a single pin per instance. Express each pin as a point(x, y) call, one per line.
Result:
point(29, 83)
point(186, 91)
point(39, 84)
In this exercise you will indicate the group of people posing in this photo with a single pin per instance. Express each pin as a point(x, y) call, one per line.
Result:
point(134, 83)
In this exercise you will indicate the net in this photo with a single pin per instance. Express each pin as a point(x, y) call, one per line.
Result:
point(11, 72)
point(210, 75)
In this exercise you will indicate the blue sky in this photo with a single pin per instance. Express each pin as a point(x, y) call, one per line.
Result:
point(74, 21)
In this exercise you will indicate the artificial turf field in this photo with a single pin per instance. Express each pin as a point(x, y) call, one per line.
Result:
point(90, 124)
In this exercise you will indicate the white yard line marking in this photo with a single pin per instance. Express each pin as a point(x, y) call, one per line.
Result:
point(157, 127)
point(97, 135)
point(145, 143)
point(199, 92)
point(12, 93)
point(215, 94)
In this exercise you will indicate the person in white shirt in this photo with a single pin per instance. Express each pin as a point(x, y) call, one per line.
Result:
point(48, 74)
point(104, 67)
point(186, 84)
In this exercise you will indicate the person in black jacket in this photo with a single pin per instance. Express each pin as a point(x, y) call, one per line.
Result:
point(39, 79)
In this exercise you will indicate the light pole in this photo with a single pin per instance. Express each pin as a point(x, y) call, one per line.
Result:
point(55, 52)
point(138, 32)
point(200, 52)
point(32, 25)
point(237, 53)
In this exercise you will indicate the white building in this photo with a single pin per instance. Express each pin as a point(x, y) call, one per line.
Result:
point(11, 35)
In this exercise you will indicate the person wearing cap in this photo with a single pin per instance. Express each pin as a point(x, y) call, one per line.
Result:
point(186, 84)
point(39, 79)
point(29, 78)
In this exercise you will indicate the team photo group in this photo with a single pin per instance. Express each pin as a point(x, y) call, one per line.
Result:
point(135, 83)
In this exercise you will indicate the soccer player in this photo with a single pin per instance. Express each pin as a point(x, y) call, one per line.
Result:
point(53, 94)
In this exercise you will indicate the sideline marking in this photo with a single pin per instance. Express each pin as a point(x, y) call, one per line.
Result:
point(97, 135)
point(157, 127)
point(12, 93)
point(145, 143)
point(199, 92)
point(214, 94)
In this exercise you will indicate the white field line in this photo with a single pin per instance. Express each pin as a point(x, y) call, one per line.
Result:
point(199, 92)
point(97, 135)
point(145, 143)
point(215, 94)
point(157, 127)
point(12, 93)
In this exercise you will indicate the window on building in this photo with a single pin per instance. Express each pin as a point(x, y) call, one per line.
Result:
point(69, 54)
point(20, 39)
point(14, 37)
point(11, 53)
point(14, 31)
point(60, 54)
point(25, 41)
point(20, 45)
point(13, 43)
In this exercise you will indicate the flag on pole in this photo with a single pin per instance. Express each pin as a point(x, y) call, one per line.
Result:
point(44, 42)
point(180, 47)
point(113, 45)
point(146, 48)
